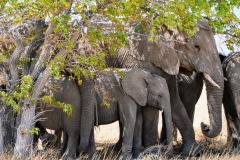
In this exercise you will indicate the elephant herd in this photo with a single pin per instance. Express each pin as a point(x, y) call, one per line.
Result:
point(156, 77)
point(137, 89)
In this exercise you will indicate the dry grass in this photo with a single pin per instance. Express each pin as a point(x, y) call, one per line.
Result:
point(215, 150)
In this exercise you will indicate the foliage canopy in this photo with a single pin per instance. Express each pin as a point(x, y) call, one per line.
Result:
point(102, 26)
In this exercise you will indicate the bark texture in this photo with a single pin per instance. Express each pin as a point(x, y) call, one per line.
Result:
point(24, 139)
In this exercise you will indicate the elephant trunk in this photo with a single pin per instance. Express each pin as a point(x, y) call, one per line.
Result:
point(214, 88)
point(169, 126)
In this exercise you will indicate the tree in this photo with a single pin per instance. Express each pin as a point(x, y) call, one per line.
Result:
point(40, 39)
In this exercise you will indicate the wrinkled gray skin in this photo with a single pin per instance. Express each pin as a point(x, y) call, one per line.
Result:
point(190, 89)
point(67, 91)
point(196, 54)
point(137, 89)
point(231, 98)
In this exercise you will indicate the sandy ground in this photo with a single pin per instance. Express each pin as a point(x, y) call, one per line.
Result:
point(110, 133)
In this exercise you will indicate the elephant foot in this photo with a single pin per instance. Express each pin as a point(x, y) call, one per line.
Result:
point(153, 151)
point(118, 146)
point(193, 150)
point(126, 156)
point(86, 156)
point(48, 140)
point(136, 154)
point(67, 157)
point(69, 154)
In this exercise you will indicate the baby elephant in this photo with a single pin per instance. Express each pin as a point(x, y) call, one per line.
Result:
point(53, 117)
point(124, 98)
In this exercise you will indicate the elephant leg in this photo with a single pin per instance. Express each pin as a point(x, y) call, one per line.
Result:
point(233, 131)
point(191, 112)
point(190, 147)
point(58, 133)
point(36, 136)
point(163, 136)
point(70, 152)
point(228, 134)
point(118, 145)
point(181, 120)
point(150, 126)
point(92, 147)
point(45, 137)
point(128, 114)
point(65, 141)
point(190, 89)
point(137, 137)
point(231, 114)
point(35, 140)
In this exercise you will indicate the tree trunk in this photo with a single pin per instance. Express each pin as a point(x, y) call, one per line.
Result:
point(1, 132)
point(24, 140)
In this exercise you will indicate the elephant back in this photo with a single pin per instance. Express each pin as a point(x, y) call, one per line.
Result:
point(232, 56)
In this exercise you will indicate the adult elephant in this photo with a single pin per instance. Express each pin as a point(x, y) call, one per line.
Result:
point(198, 53)
point(190, 89)
point(231, 97)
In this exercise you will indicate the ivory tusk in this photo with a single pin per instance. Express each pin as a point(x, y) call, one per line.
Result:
point(210, 80)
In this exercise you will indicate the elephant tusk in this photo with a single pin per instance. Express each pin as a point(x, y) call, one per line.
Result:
point(211, 80)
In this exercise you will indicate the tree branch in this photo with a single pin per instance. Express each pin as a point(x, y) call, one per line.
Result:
point(45, 54)
point(12, 62)
point(32, 47)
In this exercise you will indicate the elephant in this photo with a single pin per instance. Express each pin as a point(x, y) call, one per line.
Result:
point(125, 97)
point(231, 98)
point(167, 58)
point(53, 117)
point(190, 89)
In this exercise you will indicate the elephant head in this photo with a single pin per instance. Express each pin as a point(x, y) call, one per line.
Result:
point(146, 88)
point(198, 53)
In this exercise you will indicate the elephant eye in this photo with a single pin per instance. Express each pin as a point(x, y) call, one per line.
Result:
point(197, 47)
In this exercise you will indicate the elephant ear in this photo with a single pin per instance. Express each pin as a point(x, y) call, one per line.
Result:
point(158, 53)
point(135, 86)
point(163, 56)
